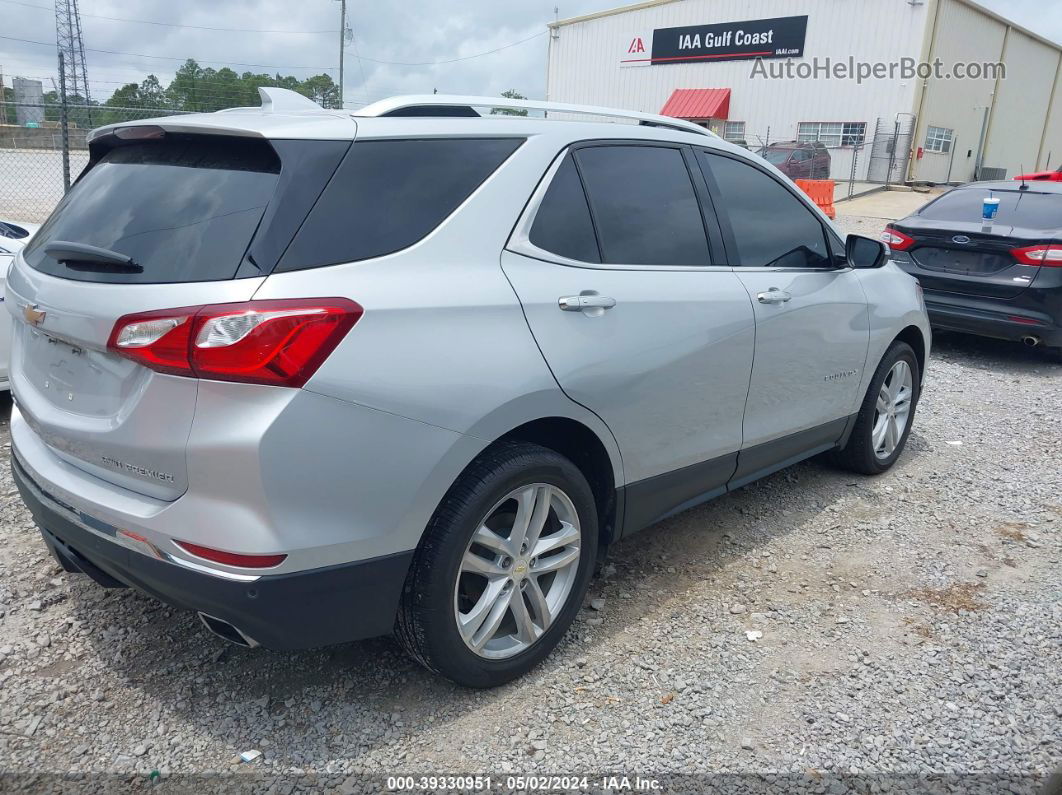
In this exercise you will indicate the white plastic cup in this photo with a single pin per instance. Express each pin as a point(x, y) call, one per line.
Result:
point(990, 208)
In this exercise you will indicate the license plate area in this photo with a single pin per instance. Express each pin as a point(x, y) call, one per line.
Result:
point(73, 377)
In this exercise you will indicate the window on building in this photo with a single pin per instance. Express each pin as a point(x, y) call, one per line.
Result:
point(734, 131)
point(938, 139)
point(832, 133)
point(644, 206)
point(771, 226)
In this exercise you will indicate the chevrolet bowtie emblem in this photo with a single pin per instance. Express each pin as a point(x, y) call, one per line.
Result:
point(33, 315)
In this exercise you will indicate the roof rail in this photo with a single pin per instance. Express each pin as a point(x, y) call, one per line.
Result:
point(391, 106)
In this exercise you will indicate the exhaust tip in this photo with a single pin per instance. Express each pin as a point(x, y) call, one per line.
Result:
point(1030, 340)
point(226, 631)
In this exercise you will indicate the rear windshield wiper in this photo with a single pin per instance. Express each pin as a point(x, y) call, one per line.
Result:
point(83, 257)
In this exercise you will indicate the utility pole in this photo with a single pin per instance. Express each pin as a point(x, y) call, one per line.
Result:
point(342, 45)
point(64, 123)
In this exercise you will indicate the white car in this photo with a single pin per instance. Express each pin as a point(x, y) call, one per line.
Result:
point(13, 236)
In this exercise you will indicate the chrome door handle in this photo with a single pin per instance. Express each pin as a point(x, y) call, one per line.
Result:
point(577, 303)
point(773, 296)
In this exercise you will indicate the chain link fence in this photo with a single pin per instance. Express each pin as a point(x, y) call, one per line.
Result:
point(40, 158)
point(876, 157)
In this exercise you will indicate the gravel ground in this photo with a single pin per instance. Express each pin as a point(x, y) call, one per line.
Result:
point(812, 625)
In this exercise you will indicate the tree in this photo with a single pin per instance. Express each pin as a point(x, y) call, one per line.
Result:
point(512, 93)
point(322, 90)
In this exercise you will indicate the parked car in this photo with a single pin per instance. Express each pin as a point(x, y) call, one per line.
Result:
point(13, 236)
point(319, 377)
point(1041, 176)
point(1003, 280)
point(799, 160)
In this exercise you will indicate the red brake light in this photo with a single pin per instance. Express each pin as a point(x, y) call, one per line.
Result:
point(896, 240)
point(279, 342)
point(1042, 254)
point(232, 558)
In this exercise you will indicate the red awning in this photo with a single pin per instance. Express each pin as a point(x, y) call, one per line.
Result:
point(698, 104)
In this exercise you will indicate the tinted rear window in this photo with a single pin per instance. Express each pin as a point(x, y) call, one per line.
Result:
point(1024, 209)
point(184, 208)
point(644, 206)
point(387, 195)
point(562, 224)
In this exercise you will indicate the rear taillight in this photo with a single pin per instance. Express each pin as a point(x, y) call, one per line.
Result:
point(1050, 256)
point(278, 342)
point(896, 240)
point(231, 558)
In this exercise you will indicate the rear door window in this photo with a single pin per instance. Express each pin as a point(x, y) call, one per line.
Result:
point(184, 208)
point(644, 206)
point(771, 226)
point(562, 224)
point(388, 194)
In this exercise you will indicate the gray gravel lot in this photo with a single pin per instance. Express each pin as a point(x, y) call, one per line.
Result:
point(816, 623)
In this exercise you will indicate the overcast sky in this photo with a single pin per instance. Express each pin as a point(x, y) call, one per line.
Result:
point(410, 31)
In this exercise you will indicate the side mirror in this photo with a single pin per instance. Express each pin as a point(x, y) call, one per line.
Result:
point(865, 252)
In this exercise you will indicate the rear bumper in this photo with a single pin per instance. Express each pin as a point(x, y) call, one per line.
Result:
point(974, 318)
point(306, 609)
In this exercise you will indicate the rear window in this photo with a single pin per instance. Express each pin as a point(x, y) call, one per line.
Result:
point(644, 206)
point(563, 224)
point(1025, 208)
point(777, 156)
point(184, 209)
point(387, 195)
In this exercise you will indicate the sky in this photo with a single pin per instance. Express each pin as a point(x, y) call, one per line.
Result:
point(397, 48)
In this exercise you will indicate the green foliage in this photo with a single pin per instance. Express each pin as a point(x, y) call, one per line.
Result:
point(204, 90)
point(512, 93)
point(193, 88)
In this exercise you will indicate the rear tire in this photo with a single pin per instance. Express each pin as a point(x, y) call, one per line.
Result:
point(874, 446)
point(474, 609)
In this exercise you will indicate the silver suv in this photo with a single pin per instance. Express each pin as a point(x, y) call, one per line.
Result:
point(319, 376)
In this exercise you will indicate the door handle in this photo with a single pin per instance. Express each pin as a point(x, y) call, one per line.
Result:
point(580, 303)
point(773, 296)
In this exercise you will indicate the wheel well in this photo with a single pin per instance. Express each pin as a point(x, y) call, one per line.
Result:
point(912, 335)
point(581, 445)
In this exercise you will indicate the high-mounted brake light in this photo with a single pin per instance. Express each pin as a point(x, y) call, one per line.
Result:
point(278, 342)
point(896, 240)
point(231, 558)
point(1042, 254)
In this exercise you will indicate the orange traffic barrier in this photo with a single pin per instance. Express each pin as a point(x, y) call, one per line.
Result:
point(821, 192)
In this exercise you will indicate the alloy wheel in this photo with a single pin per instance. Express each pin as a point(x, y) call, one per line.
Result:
point(893, 410)
point(517, 571)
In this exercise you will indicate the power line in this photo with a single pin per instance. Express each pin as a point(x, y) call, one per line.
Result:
point(169, 57)
point(169, 24)
point(453, 60)
point(268, 66)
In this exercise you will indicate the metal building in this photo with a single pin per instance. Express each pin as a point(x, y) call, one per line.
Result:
point(895, 89)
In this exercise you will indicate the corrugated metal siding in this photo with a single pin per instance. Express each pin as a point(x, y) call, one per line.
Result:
point(1020, 108)
point(1051, 150)
point(1022, 104)
point(584, 63)
point(963, 34)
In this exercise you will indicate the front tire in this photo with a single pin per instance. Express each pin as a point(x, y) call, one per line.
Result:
point(503, 567)
point(886, 415)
